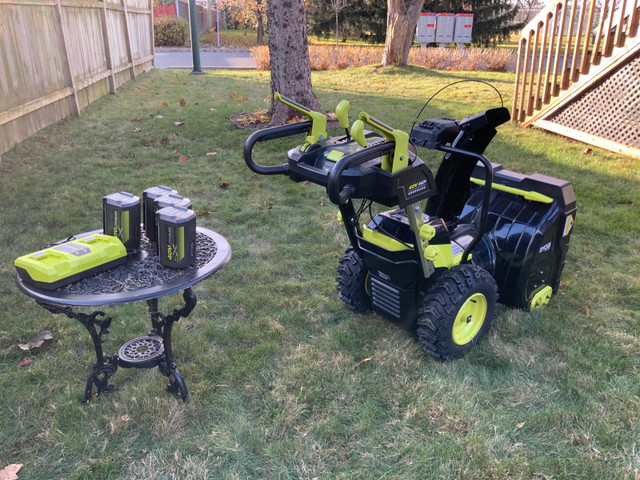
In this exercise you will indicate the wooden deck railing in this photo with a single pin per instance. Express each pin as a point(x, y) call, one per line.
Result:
point(564, 42)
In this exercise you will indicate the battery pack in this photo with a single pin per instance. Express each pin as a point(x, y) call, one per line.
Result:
point(121, 218)
point(68, 262)
point(176, 236)
point(170, 200)
point(149, 211)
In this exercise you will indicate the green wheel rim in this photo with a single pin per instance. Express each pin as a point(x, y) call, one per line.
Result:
point(469, 319)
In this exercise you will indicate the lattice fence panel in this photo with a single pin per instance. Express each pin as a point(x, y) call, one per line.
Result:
point(610, 109)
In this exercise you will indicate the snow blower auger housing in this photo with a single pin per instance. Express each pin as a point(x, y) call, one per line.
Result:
point(485, 233)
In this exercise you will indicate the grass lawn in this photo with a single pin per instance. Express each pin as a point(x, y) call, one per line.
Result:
point(274, 362)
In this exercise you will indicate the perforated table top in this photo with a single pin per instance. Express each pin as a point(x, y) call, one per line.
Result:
point(141, 278)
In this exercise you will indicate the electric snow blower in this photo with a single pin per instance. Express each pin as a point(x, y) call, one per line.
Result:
point(486, 232)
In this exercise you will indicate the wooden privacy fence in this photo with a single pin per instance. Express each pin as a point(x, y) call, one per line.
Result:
point(58, 56)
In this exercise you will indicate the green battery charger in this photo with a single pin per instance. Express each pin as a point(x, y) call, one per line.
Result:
point(68, 262)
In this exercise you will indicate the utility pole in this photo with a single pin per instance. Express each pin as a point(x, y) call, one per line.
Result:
point(195, 45)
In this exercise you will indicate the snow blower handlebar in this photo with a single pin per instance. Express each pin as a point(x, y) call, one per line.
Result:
point(271, 134)
point(316, 128)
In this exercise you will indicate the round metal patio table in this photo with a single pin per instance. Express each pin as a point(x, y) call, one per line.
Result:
point(141, 278)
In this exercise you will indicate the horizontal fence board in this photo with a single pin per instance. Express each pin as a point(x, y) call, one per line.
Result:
point(59, 53)
point(24, 109)
point(31, 64)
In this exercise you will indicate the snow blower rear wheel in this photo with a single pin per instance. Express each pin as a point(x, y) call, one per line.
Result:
point(457, 311)
point(352, 282)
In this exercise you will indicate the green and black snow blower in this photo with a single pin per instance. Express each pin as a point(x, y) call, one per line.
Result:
point(485, 233)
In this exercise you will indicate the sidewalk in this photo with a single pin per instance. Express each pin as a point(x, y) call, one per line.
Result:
point(210, 58)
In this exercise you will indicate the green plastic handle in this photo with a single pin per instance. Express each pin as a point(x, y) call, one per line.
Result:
point(401, 151)
point(342, 112)
point(357, 133)
point(318, 120)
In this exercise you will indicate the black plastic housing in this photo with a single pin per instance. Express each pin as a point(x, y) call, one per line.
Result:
point(529, 238)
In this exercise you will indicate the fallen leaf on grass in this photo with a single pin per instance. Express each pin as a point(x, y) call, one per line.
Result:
point(137, 119)
point(586, 309)
point(224, 185)
point(521, 424)
point(37, 341)
point(628, 202)
point(159, 116)
point(178, 124)
point(137, 129)
point(587, 151)
point(25, 362)
point(182, 159)
point(183, 102)
point(364, 362)
point(212, 110)
point(164, 140)
point(165, 104)
point(151, 139)
point(202, 213)
point(10, 471)
point(210, 154)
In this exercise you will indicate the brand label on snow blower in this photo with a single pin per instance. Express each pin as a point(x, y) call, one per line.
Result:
point(545, 248)
point(416, 188)
point(568, 225)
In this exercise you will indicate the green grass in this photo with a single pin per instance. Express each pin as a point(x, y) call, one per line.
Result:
point(271, 357)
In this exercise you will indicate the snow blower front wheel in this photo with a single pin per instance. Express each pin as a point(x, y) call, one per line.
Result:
point(351, 282)
point(457, 311)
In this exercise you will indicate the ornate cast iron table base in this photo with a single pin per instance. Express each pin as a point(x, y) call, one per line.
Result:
point(150, 351)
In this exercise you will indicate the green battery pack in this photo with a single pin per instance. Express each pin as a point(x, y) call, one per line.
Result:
point(176, 236)
point(149, 211)
point(68, 262)
point(121, 218)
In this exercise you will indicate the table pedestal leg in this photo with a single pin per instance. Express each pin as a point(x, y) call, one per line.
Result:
point(162, 325)
point(105, 366)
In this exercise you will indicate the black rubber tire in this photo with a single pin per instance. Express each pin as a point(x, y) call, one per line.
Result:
point(443, 302)
point(351, 282)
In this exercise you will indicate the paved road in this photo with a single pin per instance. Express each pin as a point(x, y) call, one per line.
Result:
point(209, 59)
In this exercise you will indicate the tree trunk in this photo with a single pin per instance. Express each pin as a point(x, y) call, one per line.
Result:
point(260, 39)
point(260, 26)
point(289, 52)
point(401, 28)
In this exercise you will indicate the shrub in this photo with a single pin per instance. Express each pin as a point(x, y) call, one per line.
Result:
point(170, 31)
point(327, 57)
point(261, 55)
point(434, 58)
point(499, 60)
